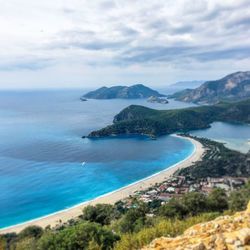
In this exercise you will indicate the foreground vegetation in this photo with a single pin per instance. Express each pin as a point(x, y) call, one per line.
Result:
point(141, 120)
point(113, 227)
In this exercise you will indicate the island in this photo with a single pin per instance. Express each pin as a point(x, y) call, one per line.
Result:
point(138, 91)
point(141, 120)
point(155, 99)
point(233, 87)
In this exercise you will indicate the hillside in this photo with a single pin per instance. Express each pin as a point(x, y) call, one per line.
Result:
point(123, 92)
point(225, 232)
point(141, 120)
point(233, 87)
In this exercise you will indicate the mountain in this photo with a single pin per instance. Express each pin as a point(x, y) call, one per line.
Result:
point(180, 94)
point(179, 86)
point(142, 120)
point(123, 92)
point(233, 87)
point(186, 84)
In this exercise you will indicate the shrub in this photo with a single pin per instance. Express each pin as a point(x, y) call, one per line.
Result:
point(218, 200)
point(101, 213)
point(81, 236)
point(165, 227)
point(31, 231)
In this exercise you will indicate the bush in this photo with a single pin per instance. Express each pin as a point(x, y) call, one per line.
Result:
point(134, 219)
point(195, 203)
point(238, 200)
point(218, 200)
point(190, 204)
point(31, 231)
point(101, 213)
point(81, 236)
point(173, 209)
point(3, 243)
point(26, 244)
point(165, 227)
point(8, 239)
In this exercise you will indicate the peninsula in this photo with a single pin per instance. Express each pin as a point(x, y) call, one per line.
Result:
point(145, 121)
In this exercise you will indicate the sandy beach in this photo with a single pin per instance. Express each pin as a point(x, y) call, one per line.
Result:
point(111, 198)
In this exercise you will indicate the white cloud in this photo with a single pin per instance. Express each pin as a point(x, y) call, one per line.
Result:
point(67, 42)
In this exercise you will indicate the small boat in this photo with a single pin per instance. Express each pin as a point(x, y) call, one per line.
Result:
point(83, 163)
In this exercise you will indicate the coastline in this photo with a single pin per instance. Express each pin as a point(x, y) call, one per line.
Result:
point(114, 196)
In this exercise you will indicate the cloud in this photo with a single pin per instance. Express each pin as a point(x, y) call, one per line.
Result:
point(30, 64)
point(155, 54)
point(124, 35)
point(216, 55)
point(106, 5)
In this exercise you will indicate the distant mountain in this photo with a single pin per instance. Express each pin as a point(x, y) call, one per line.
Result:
point(123, 92)
point(186, 84)
point(233, 87)
point(179, 86)
point(180, 94)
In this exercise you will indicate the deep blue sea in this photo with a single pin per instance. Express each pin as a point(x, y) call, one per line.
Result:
point(41, 151)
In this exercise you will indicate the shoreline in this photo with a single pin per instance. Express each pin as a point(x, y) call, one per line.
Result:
point(114, 196)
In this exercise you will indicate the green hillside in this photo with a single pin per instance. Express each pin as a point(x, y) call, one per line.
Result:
point(141, 120)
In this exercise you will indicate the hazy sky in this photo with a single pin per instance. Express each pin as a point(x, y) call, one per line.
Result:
point(88, 43)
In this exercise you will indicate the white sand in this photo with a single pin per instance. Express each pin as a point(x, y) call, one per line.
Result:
point(111, 198)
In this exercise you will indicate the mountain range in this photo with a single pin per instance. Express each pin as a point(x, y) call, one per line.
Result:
point(184, 84)
point(233, 87)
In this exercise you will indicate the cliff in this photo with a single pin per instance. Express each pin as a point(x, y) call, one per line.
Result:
point(223, 233)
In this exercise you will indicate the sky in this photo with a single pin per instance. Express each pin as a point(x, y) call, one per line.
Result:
point(85, 44)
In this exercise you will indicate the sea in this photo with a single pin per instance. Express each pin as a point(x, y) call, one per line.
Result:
point(46, 166)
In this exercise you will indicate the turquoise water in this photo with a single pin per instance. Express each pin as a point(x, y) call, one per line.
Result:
point(235, 136)
point(41, 151)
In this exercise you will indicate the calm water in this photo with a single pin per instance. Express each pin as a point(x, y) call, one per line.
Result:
point(235, 136)
point(41, 152)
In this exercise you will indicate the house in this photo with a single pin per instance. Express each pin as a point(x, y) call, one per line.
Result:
point(170, 189)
